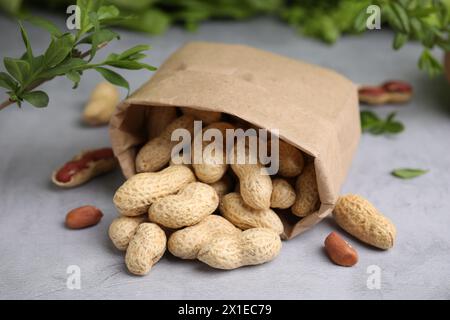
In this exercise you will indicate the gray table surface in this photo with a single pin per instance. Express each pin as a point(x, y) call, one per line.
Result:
point(36, 249)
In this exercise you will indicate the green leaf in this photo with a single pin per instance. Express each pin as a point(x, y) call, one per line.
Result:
point(37, 63)
point(438, 33)
point(442, 12)
point(107, 12)
point(323, 27)
point(408, 173)
point(129, 64)
point(416, 28)
point(394, 127)
point(401, 16)
point(444, 45)
point(422, 12)
point(39, 99)
point(135, 5)
point(45, 24)
point(428, 38)
point(371, 123)
point(113, 77)
point(97, 38)
point(399, 40)
point(112, 57)
point(139, 56)
point(103, 35)
point(93, 18)
point(58, 50)
point(7, 82)
point(87, 7)
point(360, 21)
point(368, 119)
point(151, 21)
point(132, 51)
point(26, 41)
point(391, 125)
point(429, 64)
point(17, 68)
point(10, 6)
point(95, 43)
point(74, 76)
point(114, 21)
point(65, 67)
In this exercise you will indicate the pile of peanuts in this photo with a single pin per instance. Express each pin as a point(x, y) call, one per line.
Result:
point(223, 215)
point(226, 216)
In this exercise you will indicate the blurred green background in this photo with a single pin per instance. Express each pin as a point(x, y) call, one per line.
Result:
point(426, 21)
point(324, 19)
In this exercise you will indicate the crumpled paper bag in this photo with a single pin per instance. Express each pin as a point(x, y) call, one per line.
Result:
point(315, 109)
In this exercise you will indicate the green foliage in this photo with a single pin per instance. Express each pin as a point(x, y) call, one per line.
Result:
point(427, 21)
point(64, 58)
point(408, 173)
point(10, 6)
point(373, 124)
point(326, 20)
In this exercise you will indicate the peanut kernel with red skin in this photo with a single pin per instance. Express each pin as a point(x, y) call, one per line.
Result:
point(71, 168)
point(397, 86)
point(372, 91)
point(393, 91)
point(339, 251)
point(83, 217)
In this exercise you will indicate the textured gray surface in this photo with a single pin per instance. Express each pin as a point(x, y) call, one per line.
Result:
point(36, 249)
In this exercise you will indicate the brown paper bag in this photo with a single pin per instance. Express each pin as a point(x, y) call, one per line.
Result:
point(315, 109)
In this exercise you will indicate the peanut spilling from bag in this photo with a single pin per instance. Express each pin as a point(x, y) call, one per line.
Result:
point(186, 243)
point(291, 160)
point(213, 165)
point(223, 186)
point(145, 248)
point(155, 154)
point(122, 229)
point(234, 209)
point(251, 247)
point(191, 205)
point(136, 195)
point(361, 219)
point(307, 193)
point(255, 187)
point(283, 194)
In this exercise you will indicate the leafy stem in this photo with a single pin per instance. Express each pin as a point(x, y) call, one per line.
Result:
point(64, 56)
point(33, 86)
